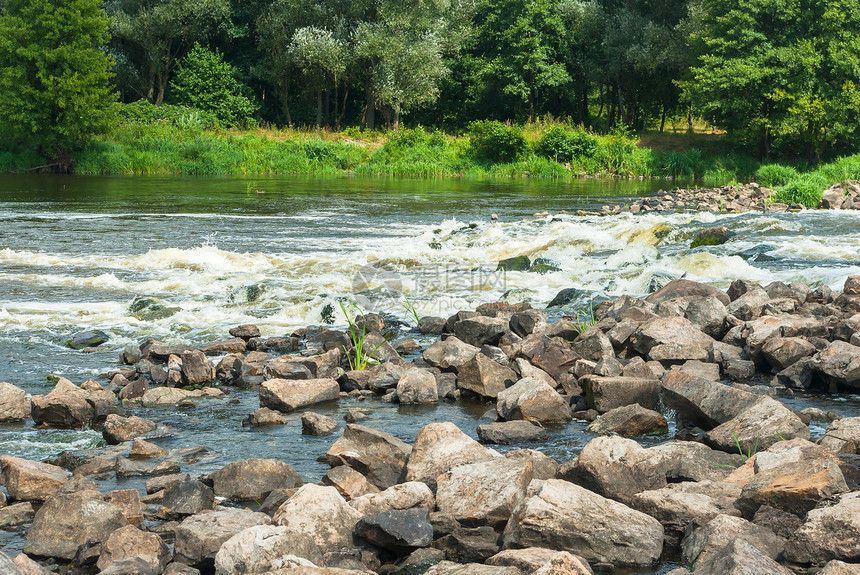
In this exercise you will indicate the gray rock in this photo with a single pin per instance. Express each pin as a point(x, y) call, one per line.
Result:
point(27, 480)
point(420, 560)
point(533, 400)
point(563, 516)
point(480, 330)
point(118, 429)
point(759, 426)
point(288, 395)
point(793, 486)
point(607, 393)
point(629, 421)
point(397, 530)
point(828, 533)
point(264, 416)
point(68, 520)
point(14, 403)
point(13, 516)
point(438, 448)
point(245, 331)
point(549, 355)
point(322, 514)
point(739, 557)
point(129, 468)
point(130, 542)
point(679, 505)
point(348, 482)
point(199, 537)
point(839, 362)
point(782, 352)
point(317, 424)
point(706, 542)
point(507, 432)
point(843, 436)
point(188, 498)
point(408, 495)
point(377, 455)
point(417, 386)
point(449, 354)
point(254, 479)
point(89, 338)
point(485, 377)
point(429, 325)
point(678, 333)
point(702, 402)
point(451, 568)
point(469, 544)
point(265, 548)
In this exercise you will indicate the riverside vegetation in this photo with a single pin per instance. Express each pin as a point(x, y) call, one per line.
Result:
point(740, 488)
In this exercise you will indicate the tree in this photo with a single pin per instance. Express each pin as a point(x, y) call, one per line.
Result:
point(321, 57)
point(205, 81)
point(156, 34)
point(55, 87)
point(780, 72)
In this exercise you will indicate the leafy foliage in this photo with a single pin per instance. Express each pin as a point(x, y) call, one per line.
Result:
point(564, 145)
point(55, 89)
point(497, 142)
point(206, 82)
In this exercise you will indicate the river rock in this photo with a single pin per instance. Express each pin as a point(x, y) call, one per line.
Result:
point(321, 513)
point(265, 548)
point(469, 544)
point(483, 493)
point(417, 386)
point(397, 530)
point(199, 537)
point(196, 368)
point(658, 336)
point(527, 322)
point(160, 483)
point(317, 423)
point(7, 566)
point(29, 567)
point(348, 482)
point(449, 354)
point(793, 486)
point(188, 498)
point(485, 377)
point(129, 541)
point(533, 400)
point(507, 432)
point(431, 325)
point(563, 516)
point(836, 568)
point(264, 417)
point(377, 455)
point(739, 557)
point(286, 369)
point(829, 533)
point(245, 331)
point(782, 352)
point(532, 559)
point(68, 520)
point(66, 406)
point(678, 505)
point(438, 448)
point(451, 568)
point(843, 436)
point(682, 288)
point(758, 426)
point(408, 495)
point(549, 355)
point(232, 345)
point(839, 362)
point(130, 468)
point(14, 404)
point(27, 480)
point(13, 516)
point(592, 344)
point(128, 502)
point(89, 338)
point(704, 403)
point(607, 393)
point(706, 542)
point(254, 479)
point(288, 395)
point(708, 314)
point(480, 330)
point(629, 421)
point(118, 429)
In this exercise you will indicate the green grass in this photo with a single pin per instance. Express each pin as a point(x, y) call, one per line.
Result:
point(806, 188)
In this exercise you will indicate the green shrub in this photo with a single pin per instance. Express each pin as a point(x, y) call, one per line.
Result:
point(806, 189)
point(563, 145)
point(775, 175)
point(497, 142)
point(143, 113)
point(204, 80)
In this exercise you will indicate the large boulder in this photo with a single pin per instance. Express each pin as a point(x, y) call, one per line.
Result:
point(782, 352)
point(130, 542)
point(481, 330)
point(592, 344)
point(484, 493)
point(290, 394)
point(629, 421)
point(348, 482)
point(506, 432)
point(68, 520)
point(553, 357)
point(485, 377)
point(417, 386)
point(265, 548)
point(321, 513)
point(793, 486)
point(679, 505)
point(563, 516)
point(27, 480)
point(66, 406)
point(843, 436)
point(672, 339)
point(703, 543)
point(199, 537)
point(828, 533)
point(533, 400)
point(704, 403)
point(449, 354)
point(196, 368)
point(187, 498)
point(14, 403)
point(606, 393)
point(377, 455)
point(118, 429)
point(451, 568)
point(254, 479)
point(739, 557)
point(681, 288)
point(408, 495)
point(766, 422)
point(438, 448)
point(397, 530)
point(839, 363)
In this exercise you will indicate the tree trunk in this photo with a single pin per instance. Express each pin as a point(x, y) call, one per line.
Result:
point(396, 112)
point(663, 118)
point(531, 107)
point(327, 106)
point(319, 108)
point(690, 128)
point(343, 107)
point(369, 109)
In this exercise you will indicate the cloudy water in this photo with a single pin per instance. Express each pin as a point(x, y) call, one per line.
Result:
point(185, 259)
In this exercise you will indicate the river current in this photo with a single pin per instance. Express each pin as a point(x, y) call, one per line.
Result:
point(185, 259)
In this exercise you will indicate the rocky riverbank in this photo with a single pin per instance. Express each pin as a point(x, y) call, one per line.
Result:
point(740, 488)
point(736, 199)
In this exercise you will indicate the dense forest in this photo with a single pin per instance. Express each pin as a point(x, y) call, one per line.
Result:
point(779, 76)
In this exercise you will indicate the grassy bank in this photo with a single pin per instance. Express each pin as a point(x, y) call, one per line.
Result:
point(172, 140)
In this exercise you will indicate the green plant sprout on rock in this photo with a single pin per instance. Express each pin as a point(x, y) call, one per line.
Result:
point(358, 359)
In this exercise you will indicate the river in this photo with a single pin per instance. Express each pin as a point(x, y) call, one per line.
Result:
point(199, 256)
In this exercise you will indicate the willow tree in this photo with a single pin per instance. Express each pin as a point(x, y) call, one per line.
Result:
point(55, 89)
point(322, 58)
